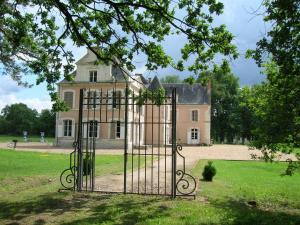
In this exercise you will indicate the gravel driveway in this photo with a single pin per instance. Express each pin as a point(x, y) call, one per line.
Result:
point(139, 179)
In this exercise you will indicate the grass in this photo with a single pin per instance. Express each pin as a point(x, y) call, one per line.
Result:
point(27, 196)
point(9, 138)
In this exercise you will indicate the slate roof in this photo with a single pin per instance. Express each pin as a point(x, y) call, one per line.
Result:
point(155, 84)
point(119, 74)
point(190, 94)
point(143, 79)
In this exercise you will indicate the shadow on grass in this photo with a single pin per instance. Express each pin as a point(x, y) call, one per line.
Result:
point(80, 208)
point(93, 209)
point(239, 212)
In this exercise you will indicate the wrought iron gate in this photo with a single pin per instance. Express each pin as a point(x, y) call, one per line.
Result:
point(143, 126)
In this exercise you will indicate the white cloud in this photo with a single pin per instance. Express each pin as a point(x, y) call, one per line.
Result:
point(141, 70)
point(8, 86)
point(35, 103)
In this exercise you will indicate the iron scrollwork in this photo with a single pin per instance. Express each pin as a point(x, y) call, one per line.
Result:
point(186, 183)
point(68, 176)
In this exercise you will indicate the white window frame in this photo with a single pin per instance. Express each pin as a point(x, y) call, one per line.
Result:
point(84, 131)
point(97, 129)
point(72, 127)
point(93, 74)
point(194, 131)
point(74, 96)
point(115, 123)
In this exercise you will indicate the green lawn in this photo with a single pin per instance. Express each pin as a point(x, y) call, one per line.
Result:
point(9, 138)
point(29, 183)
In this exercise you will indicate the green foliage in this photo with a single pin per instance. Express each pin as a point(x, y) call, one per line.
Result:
point(171, 79)
point(277, 105)
point(46, 122)
point(33, 180)
point(224, 103)
point(17, 118)
point(209, 171)
point(34, 34)
point(87, 165)
point(157, 96)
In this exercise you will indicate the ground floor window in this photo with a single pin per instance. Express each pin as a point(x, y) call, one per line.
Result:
point(194, 134)
point(93, 128)
point(116, 130)
point(67, 128)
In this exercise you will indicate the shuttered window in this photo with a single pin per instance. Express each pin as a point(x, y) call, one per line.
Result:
point(117, 99)
point(195, 115)
point(68, 98)
point(92, 99)
point(112, 130)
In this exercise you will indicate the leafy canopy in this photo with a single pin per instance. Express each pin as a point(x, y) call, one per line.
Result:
point(169, 79)
point(277, 104)
point(33, 35)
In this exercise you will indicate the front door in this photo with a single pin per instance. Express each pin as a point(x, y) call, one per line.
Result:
point(193, 136)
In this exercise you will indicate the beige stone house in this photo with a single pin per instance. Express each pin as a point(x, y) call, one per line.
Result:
point(193, 109)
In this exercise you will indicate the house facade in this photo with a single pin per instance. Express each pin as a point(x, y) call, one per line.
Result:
point(193, 109)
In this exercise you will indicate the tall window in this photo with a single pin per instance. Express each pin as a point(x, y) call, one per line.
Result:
point(93, 76)
point(92, 99)
point(67, 128)
point(116, 98)
point(194, 134)
point(68, 98)
point(93, 128)
point(195, 115)
point(118, 129)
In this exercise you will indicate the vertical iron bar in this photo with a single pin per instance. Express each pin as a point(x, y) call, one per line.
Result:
point(106, 106)
point(174, 143)
point(132, 135)
point(79, 143)
point(165, 143)
point(158, 169)
point(95, 126)
point(139, 154)
point(126, 140)
point(145, 142)
point(152, 142)
point(87, 140)
point(100, 107)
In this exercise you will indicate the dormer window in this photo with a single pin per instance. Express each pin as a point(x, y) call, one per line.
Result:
point(93, 76)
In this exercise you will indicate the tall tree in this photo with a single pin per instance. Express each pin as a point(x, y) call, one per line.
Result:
point(278, 105)
point(171, 79)
point(224, 102)
point(244, 114)
point(46, 122)
point(33, 35)
point(19, 118)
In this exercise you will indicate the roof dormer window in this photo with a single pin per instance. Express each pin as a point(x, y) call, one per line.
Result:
point(93, 76)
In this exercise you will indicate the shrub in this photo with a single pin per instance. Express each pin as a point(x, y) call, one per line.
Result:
point(209, 171)
point(87, 166)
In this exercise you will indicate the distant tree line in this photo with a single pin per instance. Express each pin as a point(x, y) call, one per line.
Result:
point(16, 118)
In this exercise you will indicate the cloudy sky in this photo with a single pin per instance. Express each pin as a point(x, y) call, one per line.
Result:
point(246, 27)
